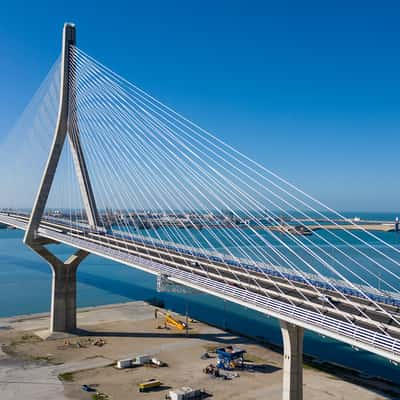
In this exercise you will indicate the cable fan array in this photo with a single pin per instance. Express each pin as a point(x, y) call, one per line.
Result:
point(24, 150)
point(161, 180)
point(164, 179)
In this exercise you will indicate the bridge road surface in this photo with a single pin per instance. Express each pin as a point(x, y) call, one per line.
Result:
point(274, 287)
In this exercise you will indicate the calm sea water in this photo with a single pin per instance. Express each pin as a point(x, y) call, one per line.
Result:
point(25, 288)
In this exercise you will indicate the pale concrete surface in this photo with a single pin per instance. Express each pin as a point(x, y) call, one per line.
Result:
point(131, 311)
point(26, 380)
point(20, 380)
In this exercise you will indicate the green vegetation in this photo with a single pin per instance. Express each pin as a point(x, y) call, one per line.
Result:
point(29, 338)
point(11, 348)
point(308, 366)
point(41, 358)
point(66, 377)
point(16, 348)
point(100, 396)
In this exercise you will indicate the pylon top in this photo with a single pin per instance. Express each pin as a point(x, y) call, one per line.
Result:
point(69, 32)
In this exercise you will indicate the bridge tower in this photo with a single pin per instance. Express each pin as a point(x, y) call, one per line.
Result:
point(63, 304)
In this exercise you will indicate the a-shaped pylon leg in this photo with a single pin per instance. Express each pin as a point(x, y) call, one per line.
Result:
point(292, 361)
point(63, 299)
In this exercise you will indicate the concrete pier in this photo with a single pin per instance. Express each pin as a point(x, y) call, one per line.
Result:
point(292, 361)
point(63, 298)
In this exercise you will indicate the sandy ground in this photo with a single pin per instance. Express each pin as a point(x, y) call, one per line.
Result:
point(30, 366)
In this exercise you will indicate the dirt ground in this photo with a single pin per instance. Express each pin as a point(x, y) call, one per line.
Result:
point(132, 329)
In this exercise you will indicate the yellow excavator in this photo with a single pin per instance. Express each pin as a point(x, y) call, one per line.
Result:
point(169, 320)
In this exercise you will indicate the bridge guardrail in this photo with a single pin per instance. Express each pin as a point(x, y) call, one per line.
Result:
point(345, 329)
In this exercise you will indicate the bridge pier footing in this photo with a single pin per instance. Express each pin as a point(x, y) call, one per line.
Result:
point(63, 298)
point(292, 361)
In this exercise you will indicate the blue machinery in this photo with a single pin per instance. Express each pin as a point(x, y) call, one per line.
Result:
point(230, 358)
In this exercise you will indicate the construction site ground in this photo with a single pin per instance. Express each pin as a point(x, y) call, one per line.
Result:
point(33, 366)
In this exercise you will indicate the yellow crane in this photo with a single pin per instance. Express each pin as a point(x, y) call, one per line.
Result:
point(169, 320)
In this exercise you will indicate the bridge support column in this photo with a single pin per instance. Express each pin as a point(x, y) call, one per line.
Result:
point(292, 361)
point(63, 298)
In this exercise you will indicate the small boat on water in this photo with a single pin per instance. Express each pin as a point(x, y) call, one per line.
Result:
point(300, 230)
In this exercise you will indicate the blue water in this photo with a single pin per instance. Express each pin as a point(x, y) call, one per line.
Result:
point(25, 288)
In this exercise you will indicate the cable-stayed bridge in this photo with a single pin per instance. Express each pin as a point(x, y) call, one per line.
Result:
point(125, 177)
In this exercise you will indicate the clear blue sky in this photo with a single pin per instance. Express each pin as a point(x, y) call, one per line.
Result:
point(308, 88)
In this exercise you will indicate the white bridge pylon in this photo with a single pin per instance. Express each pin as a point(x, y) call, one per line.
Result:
point(63, 302)
point(162, 195)
point(67, 109)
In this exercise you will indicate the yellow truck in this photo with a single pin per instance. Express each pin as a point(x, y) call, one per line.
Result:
point(149, 385)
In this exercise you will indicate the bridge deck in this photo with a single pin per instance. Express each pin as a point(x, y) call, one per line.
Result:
point(293, 300)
